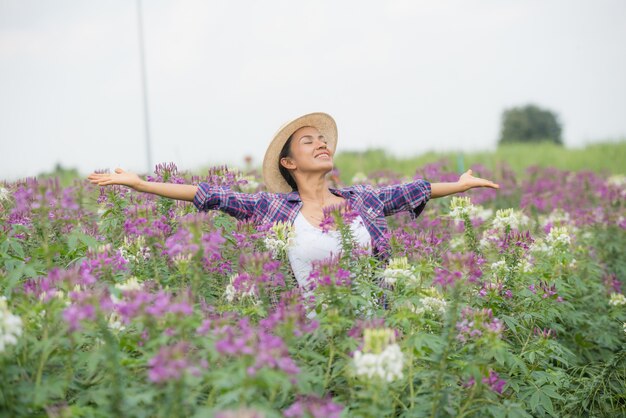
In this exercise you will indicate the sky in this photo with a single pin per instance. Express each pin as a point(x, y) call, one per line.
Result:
point(409, 76)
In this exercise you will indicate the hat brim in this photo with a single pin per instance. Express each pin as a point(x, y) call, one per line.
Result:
point(274, 181)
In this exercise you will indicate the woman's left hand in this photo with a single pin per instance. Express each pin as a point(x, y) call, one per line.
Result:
point(467, 181)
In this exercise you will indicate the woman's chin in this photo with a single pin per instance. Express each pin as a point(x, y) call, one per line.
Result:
point(328, 166)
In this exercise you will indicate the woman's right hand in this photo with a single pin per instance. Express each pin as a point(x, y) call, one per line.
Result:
point(121, 177)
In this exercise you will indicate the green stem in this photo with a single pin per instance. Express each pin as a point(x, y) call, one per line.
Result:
point(468, 402)
point(44, 357)
point(449, 336)
point(329, 366)
point(411, 387)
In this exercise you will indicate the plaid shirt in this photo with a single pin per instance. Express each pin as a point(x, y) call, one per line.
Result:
point(373, 204)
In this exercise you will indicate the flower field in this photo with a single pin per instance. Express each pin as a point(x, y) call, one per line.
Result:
point(504, 303)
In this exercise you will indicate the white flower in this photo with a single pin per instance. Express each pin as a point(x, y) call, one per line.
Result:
point(457, 242)
point(617, 299)
point(10, 326)
point(432, 305)
point(115, 322)
point(557, 240)
point(558, 237)
point(131, 284)
point(617, 180)
point(182, 259)
point(481, 213)
point(231, 294)
point(556, 217)
point(58, 294)
point(279, 238)
point(4, 194)
point(398, 268)
point(488, 239)
point(539, 246)
point(498, 265)
point(133, 249)
point(386, 365)
point(459, 207)
point(511, 218)
point(525, 265)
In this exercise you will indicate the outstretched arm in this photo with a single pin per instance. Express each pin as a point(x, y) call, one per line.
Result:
point(466, 182)
point(173, 191)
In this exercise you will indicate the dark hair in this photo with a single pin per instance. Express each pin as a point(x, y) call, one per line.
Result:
point(286, 152)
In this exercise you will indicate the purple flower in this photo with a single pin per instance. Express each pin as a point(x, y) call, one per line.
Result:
point(494, 382)
point(259, 273)
point(139, 302)
point(289, 316)
point(547, 291)
point(337, 215)
point(612, 284)
point(475, 324)
point(266, 349)
point(545, 333)
point(328, 273)
point(106, 263)
point(515, 239)
point(446, 278)
point(470, 382)
point(166, 173)
point(76, 313)
point(172, 362)
point(314, 406)
point(455, 266)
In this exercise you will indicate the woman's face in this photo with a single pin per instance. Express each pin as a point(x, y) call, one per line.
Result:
point(309, 152)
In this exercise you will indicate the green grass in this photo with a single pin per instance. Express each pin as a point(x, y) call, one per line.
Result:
point(606, 157)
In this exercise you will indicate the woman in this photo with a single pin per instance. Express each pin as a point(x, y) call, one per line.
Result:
point(295, 170)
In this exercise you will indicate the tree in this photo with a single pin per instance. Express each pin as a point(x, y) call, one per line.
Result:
point(530, 124)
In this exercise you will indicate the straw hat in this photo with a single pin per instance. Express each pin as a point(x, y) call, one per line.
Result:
point(271, 173)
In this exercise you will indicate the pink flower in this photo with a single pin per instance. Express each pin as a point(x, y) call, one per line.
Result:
point(171, 362)
point(494, 382)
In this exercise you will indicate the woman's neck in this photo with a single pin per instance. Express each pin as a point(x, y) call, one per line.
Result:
point(315, 190)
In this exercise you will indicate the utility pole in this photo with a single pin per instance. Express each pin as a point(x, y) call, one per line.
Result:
point(144, 84)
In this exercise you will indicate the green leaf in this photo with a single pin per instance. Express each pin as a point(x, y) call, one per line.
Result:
point(534, 400)
point(510, 322)
point(546, 403)
point(551, 391)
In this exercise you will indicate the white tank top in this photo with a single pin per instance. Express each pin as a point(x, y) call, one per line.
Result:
point(312, 244)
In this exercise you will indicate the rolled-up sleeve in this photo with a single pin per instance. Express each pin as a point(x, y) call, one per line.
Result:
point(239, 205)
point(411, 197)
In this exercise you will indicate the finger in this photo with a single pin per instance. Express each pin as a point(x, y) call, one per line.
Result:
point(119, 170)
point(98, 175)
point(469, 171)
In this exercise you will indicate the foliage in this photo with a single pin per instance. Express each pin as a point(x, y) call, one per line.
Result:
point(530, 124)
point(492, 304)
